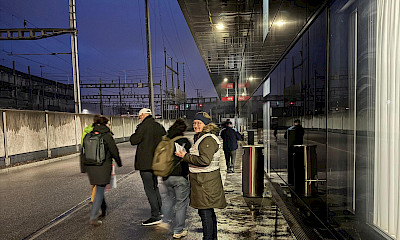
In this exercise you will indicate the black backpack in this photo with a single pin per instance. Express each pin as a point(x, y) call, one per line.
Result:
point(93, 146)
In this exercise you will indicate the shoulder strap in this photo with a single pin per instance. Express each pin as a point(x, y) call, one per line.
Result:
point(177, 138)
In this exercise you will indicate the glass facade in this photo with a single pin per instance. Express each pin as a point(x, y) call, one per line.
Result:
point(328, 81)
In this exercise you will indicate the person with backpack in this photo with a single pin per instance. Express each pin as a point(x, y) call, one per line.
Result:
point(147, 136)
point(207, 192)
point(99, 150)
point(176, 183)
point(87, 130)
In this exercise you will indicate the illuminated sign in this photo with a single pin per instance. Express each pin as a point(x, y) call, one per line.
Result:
point(243, 98)
point(227, 85)
point(227, 99)
point(244, 85)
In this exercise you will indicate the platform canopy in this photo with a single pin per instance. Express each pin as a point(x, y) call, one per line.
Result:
point(238, 42)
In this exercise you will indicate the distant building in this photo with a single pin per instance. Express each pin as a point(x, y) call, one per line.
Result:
point(20, 90)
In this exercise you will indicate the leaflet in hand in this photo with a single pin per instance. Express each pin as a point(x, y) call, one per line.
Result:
point(179, 148)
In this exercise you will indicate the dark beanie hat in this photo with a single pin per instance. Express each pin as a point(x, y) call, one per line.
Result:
point(200, 116)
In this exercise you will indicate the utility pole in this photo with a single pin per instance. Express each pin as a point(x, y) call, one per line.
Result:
point(149, 64)
point(120, 98)
point(172, 74)
point(166, 82)
point(15, 86)
point(184, 87)
point(74, 48)
point(101, 98)
point(30, 86)
point(161, 100)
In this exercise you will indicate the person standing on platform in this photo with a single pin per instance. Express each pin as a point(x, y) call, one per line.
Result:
point(230, 144)
point(147, 136)
point(207, 192)
point(177, 185)
point(100, 175)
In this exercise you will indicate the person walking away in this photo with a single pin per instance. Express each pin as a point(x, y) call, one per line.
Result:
point(230, 138)
point(295, 138)
point(177, 185)
point(147, 136)
point(87, 130)
point(100, 175)
point(207, 192)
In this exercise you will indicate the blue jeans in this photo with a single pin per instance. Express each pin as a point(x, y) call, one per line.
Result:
point(209, 222)
point(177, 194)
point(98, 200)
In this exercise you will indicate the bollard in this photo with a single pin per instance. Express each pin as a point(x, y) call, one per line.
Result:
point(253, 171)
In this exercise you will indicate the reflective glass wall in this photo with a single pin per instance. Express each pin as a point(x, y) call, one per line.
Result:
point(327, 81)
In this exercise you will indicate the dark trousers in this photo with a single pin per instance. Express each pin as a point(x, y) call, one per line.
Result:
point(230, 157)
point(150, 184)
point(209, 222)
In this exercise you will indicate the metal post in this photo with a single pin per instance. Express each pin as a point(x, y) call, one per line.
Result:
point(149, 64)
point(30, 86)
point(184, 87)
point(6, 157)
point(101, 98)
point(166, 83)
point(120, 97)
point(179, 86)
point(47, 135)
point(76, 134)
point(123, 129)
point(74, 48)
point(15, 86)
point(236, 102)
point(177, 75)
point(172, 74)
point(161, 100)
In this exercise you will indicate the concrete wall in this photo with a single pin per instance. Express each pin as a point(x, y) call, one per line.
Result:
point(26, 132)
point(33, 135)
point(1, 142)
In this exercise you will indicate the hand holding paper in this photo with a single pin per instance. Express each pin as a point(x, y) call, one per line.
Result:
point(180, 151)
point(179, 148)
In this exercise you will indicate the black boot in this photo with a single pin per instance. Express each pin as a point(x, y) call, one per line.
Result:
point(103, 209)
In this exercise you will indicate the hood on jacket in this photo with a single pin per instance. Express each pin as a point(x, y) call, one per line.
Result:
point(88, 128)
point(173, 132)
point(101, 129)
point(209, 128)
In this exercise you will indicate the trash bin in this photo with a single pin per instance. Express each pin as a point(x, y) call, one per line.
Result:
point(305, 169)
point(250, 137)
point(253, 171)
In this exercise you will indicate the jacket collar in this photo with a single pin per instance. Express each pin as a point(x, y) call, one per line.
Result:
point(101, 129)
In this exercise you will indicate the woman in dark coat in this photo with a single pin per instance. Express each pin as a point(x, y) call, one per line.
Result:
point(101, 175)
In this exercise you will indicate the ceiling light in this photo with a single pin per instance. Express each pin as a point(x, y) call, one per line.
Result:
point(220, 26)
point(251, 79)
point(280, 23)
point(225, 79)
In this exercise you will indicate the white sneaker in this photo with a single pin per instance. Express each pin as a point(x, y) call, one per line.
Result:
point(164, 225)
point(180, 235)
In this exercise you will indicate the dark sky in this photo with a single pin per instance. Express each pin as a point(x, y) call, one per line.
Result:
point(111, 41)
